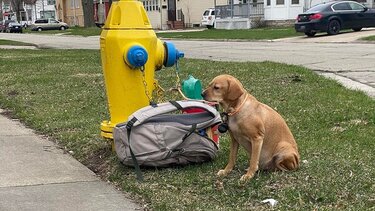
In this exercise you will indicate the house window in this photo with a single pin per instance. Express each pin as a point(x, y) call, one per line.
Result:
point(295, 1)
point(47, 14)
point(268, 2)
point(151, 5)
point(78, 3)
point(279, 2)
point(51, 2)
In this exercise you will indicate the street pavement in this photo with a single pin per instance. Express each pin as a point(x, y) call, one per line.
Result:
point(352, 64)
point(340, 57)
point(36, 175)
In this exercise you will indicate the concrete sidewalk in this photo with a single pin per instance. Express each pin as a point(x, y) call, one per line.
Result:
point(35, 174)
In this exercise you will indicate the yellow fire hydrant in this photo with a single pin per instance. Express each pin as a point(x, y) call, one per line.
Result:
point(130, 54)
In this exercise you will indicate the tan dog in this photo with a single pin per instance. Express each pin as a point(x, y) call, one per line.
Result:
point(255, 126)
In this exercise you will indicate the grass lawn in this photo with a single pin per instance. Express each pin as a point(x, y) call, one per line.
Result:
point(16, 43)
point(370, 38)
point(249, 34)
point(334, 128)
point(80, 31)
point(245, 34)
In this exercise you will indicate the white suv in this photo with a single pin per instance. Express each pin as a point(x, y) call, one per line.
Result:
point(208, 18)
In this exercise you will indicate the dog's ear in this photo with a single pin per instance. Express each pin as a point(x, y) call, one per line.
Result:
point(235, 89)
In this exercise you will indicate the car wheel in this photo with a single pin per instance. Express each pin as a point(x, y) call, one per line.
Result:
point(333, 27)
point(357, 29)
point(62, 28)
point(310, 34)
point(40, 29)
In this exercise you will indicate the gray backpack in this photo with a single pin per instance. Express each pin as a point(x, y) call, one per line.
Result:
point(157, 136)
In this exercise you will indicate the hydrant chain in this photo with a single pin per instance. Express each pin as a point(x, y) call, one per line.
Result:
point(145, 85)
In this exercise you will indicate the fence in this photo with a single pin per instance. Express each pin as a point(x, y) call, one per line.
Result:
point(240, 10)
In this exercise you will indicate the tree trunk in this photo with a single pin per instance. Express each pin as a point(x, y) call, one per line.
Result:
point(88, 13)
point(1, 10)
point(17, 7)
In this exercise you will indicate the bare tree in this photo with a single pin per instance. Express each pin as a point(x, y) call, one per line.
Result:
point(17, 6)
point(1, 9)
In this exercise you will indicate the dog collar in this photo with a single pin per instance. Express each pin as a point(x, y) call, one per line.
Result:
point(239, 108)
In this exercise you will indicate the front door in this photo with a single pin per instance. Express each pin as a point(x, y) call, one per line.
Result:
point(171, 10)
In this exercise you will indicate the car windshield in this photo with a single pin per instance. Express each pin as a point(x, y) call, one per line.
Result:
point(207, 12)
point(317, 8)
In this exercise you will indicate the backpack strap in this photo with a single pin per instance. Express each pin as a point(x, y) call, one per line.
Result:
point(192, 129)
point(137, 169)
point(175, 104)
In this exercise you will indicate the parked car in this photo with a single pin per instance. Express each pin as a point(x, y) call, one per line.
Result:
point(10, 26)
point(334, 16)
point(208, 18)
point(48, 24)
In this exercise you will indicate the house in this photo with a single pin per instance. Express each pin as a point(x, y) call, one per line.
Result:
point(44, 9)
point(70, 12)
point(230, 14)
point(175, 14)
point(6, 11)
point(30, 10)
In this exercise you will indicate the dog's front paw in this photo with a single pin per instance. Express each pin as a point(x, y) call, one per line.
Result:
point(246, 177)
point(222, 173)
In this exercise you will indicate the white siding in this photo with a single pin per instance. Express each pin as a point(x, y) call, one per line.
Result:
point(193, 9)
point(282, 12)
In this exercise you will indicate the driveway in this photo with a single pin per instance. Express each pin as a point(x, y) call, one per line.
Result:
point(344, 37)
point(339, 57)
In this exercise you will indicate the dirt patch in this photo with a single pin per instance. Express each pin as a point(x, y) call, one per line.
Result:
point(7, 113)
point(12, 93)
point(98, 162)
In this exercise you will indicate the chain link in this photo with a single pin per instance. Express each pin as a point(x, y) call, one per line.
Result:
point(159, 92)
point(178, 80)
point(145, 85)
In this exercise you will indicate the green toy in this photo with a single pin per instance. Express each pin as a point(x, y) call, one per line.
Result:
point(192, 88)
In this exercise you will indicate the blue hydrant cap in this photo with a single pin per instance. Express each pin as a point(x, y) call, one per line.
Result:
point(172, 54)
point(137, 56)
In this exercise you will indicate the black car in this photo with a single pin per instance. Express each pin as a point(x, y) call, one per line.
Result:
point(10, 26)
point(333, 16)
